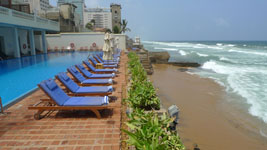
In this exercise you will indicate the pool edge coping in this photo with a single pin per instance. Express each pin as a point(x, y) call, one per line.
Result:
point(19, 98)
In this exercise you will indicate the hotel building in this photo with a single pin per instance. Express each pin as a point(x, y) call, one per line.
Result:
point(102, 17)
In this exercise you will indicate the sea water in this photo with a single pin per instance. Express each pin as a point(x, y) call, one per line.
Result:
point(241, 67)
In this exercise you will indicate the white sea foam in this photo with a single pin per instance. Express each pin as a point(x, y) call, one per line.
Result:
point(227, 59)
point(164, 48)
point(263, 133)
point(223, 58)
point(198, 47)
point(202, 55)
point(212, 65)
point(231, 45)
point(219, 44)
point(183, 53)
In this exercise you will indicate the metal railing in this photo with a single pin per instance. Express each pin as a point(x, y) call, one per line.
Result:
point(3, 10)
point(22, 15)
point(41, 20)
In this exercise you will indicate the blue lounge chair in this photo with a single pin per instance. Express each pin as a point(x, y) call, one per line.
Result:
point(106, 62)
point(76, 90)
point(93, 69)
point(82, 81)
point(59, 100)
point(88, 74)
point(105, 66)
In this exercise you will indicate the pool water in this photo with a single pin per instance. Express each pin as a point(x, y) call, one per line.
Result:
point(21, 75)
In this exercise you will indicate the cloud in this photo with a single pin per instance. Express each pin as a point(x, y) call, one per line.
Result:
point(221, 22)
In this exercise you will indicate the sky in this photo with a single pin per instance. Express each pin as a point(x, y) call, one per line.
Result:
point(192, 20)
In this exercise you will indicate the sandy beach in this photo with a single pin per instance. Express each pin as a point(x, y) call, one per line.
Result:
point(205, 118)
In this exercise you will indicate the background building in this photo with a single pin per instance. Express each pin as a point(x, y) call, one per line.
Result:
point(23, 34)
point(67, 17)
point(102, 17)
point(38, 7)
point(116, 15)
point(79, 10)
point(15, 5)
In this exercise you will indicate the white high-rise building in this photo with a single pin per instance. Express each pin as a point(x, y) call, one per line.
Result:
point(102, 17)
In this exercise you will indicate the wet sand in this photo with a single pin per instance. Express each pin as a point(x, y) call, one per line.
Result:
point(205, 119)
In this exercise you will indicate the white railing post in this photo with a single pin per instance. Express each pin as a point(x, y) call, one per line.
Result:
point(16, 42)
point(44, 42)
point(31, 34)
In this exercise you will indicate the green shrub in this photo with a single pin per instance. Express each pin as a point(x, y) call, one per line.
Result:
point(150, 132)
point(142, 93)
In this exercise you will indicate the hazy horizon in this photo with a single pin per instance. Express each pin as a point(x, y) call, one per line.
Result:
point(179, 20)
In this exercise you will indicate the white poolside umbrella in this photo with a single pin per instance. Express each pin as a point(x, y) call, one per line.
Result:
point(112, 45)
point(107, 50)
point(117, 42)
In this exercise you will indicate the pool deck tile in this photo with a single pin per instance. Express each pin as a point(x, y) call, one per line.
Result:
point(64, 130)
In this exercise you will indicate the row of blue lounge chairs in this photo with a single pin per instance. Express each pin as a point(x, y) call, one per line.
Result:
point(89, 89)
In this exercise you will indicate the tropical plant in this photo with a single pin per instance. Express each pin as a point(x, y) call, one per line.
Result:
point(108, 30)
point(143, 95)
point(150, 132)
point(124, 27)
point(89, 26)
point(116, 30)
point(93, 22)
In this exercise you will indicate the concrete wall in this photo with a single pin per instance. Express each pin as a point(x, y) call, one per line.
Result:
point(7, 33)
point(38, 42)
point(23, 41)
point(80, 40)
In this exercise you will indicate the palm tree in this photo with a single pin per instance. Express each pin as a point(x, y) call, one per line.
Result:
point(89, 26)
point(116, 30)
point(124, 26)
point(93, 22)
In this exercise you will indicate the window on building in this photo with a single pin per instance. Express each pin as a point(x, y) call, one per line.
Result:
point(115, 11)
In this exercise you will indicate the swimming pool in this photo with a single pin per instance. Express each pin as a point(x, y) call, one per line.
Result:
point(21, 75)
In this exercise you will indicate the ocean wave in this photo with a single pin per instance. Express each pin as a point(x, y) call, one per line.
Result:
point(244, 85)
point(230, 45)
point(219, 44)
point(212, 65)
point(198, 47)
point(202, 55)
point(247, 82)
point(223, 58)
point(247, 52)
point(183, 53)
point(168, 49)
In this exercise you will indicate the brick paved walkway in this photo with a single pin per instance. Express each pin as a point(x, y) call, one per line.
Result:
point(79, 130)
